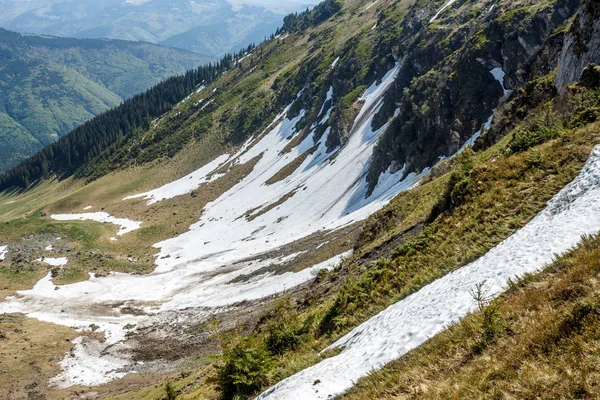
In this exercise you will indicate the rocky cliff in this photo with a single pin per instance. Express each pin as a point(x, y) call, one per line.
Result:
point(581, 46)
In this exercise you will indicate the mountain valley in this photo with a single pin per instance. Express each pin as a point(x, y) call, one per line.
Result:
point(50, 85)
point(385, 199)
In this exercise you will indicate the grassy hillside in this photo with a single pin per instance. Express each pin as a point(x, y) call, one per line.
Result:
point(444, 92)
point(543, 336)
point(48, 85)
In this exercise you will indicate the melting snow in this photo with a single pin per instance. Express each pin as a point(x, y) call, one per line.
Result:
point(55, 262)
point(498, 74)
point(334, 63)
point(126, 225)
point(185, 185)
point(87, 366)
point(209, 265)
point(573, 212)
point(448, 4)
point(473, 138)
point(3, 251)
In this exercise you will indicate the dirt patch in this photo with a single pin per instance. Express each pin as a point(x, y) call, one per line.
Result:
point(30, 351)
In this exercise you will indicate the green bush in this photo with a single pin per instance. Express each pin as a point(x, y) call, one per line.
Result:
point(355, 294)
point(526, 139)
point(457, 187)
point(246, 368)
point(285, 334)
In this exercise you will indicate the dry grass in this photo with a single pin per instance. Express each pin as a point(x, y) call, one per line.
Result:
point(265, 208)
point(30, 351)
point(548, 348)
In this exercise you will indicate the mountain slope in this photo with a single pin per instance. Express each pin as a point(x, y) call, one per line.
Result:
point(49, 85)
point(301, 194)
point(211, 28)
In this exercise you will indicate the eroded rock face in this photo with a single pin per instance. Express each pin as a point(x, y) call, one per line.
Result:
point(443, 97)
point(581, 46)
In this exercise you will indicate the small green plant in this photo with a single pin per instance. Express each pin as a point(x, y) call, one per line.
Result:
point(170, 391)
point(492, 322)
point(534, 159)
point(321, 275)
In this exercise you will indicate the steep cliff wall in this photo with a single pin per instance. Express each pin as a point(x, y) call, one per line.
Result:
point(581, 46)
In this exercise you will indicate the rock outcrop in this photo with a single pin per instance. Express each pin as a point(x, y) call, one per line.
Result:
point(581, 46)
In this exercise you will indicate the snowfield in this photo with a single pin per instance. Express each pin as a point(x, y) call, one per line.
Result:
point(233, 253)
point(126, 225)
point(573, 212)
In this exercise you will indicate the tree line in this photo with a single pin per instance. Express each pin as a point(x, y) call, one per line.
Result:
point(71, 152)
point(87, 141)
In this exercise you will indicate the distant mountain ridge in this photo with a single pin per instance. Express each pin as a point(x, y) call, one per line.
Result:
point(49, 85)
point(213, 27)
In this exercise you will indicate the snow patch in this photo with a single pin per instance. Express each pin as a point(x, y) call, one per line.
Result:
point(371, 5)
point(334, 63)
point(185, 185)
point(126, 225)
point(573, 212)
point(499, 74)
point(448, 4)
point(3, 251)
point(55, 262)
point(87, 208)
point(86, 366)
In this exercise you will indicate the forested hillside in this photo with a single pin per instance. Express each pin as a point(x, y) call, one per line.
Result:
point(108, 132)
point(50, 85)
